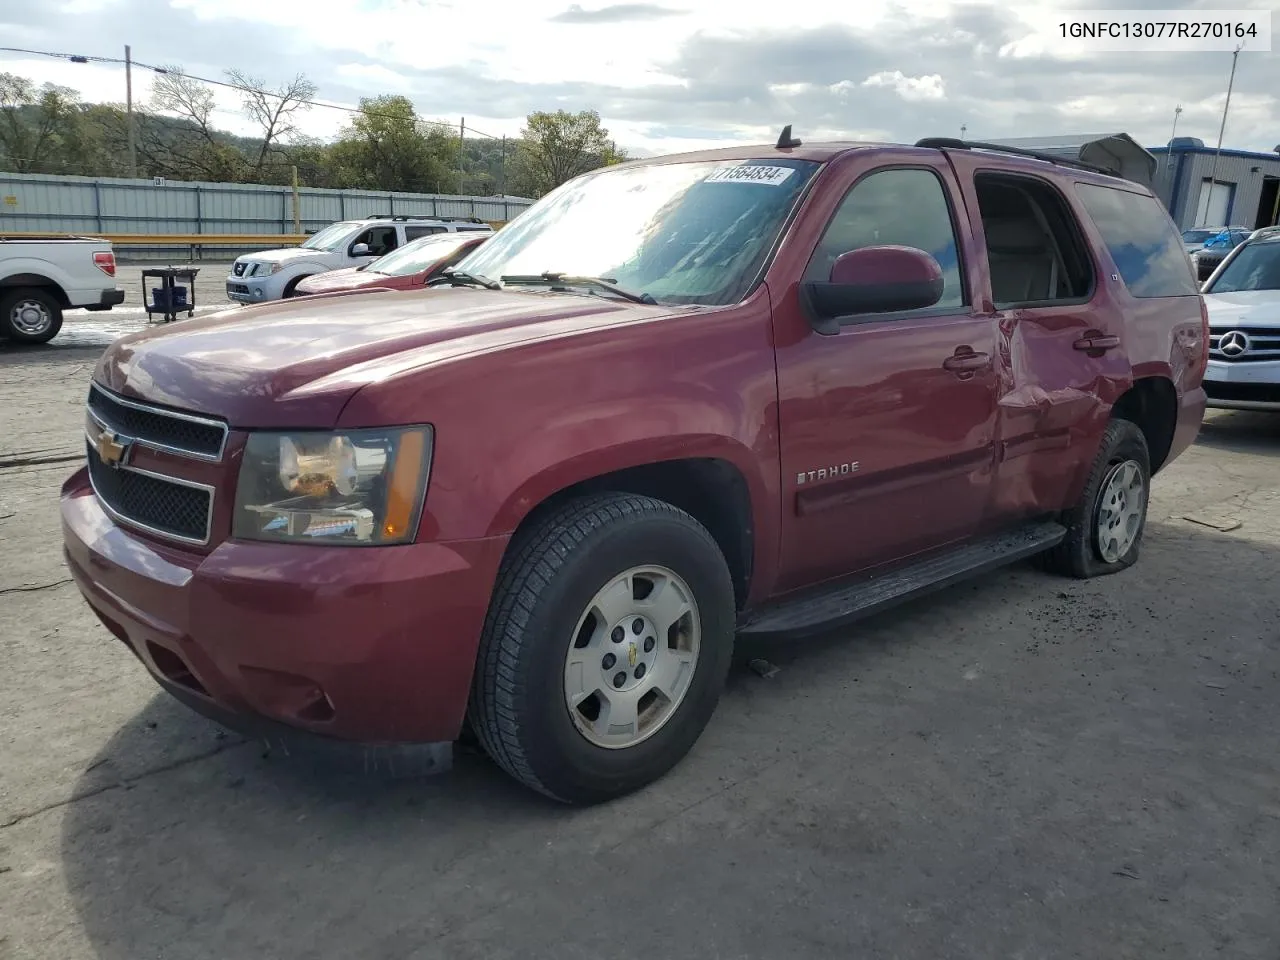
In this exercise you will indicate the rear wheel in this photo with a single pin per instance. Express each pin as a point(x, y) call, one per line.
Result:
point(1104, 529)
point(606, 647)
point(30, 315)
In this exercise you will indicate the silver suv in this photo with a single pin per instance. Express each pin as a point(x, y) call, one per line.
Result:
point(273, 274)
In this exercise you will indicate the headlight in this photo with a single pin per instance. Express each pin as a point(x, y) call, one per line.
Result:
point(265, 269)
point(362, 487)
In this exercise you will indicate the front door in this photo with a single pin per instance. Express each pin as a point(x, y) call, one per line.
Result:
point(887, 427)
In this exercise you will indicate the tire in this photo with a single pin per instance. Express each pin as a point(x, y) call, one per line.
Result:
point(30, 315)
point(546, 612)
point(1087, 551)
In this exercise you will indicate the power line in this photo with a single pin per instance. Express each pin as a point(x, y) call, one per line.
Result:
point(80, 58)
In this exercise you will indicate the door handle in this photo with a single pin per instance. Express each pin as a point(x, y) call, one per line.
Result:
point(965, 361)
point(1096, 340)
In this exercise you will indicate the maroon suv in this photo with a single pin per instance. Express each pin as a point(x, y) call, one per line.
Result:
point(759, 390)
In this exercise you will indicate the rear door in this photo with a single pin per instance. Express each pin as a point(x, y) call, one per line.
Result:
point(886, 440)
point(1060, 332)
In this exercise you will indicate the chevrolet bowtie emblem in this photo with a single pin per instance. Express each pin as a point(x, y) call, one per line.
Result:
point(631, 655)
point(110, 448)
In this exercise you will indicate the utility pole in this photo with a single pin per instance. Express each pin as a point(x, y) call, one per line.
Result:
point(297, 204)
point(1213, 171)
point(128, 106)
point(502, 169)
point(462, 145)
point(1168, 153)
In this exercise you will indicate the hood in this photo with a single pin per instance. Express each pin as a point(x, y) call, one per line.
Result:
point(1244, 308)
point(295, 363)
point(348, 278)
point(283, 255)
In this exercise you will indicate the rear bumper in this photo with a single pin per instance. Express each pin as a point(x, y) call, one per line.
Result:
point(1190, 415)
point(372, 645)
point(107, 299)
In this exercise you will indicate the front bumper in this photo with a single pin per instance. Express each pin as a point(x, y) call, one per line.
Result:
point(256, 289)
point(1243, 386)
point(368, 645)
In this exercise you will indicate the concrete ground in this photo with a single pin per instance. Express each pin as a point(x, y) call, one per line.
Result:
point(1019, 767)
point(81, 328)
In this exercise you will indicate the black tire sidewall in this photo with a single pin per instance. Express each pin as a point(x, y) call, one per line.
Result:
point(566, 762)
point(1122, 441)
point(10, 300)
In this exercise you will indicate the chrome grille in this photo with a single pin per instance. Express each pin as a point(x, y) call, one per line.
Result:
point(160, 429)
point(163, 505)
point(1260, 343)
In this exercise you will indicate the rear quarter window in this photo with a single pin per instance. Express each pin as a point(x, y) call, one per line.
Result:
point(1142, 241)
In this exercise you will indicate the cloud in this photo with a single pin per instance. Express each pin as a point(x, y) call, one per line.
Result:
point(674, 81)
point(909, 88)
point(617, 13)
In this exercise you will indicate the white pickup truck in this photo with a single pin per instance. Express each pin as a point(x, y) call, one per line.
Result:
point(275, 274)
point(42, 276)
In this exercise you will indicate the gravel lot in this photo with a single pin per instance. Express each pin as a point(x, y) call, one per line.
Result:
point(1019, 767)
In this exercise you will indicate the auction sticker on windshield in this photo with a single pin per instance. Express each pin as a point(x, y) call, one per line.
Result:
point(770, 176)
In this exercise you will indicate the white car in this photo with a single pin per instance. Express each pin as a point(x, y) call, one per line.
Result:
point(1243, 299)
point(273, 274)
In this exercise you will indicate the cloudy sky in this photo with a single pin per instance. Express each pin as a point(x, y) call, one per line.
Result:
point(671, 74)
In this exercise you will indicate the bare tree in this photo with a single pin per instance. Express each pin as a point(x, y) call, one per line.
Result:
point(192, 147)
point(273, 110)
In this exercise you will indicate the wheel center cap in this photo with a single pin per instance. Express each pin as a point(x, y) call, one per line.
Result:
point(630, 657)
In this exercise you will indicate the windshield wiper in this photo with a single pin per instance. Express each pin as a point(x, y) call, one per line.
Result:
point(459, 278)
point(604, 283)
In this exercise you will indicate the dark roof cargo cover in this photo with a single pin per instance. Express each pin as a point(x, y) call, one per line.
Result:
point(1117, 153)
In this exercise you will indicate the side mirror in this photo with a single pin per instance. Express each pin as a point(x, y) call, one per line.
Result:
point(883, 279)
point(361, 250)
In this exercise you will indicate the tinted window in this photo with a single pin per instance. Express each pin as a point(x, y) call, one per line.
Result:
point(413, 233)
point(1255, 267)
point(906, 207)
point(1033, 242)
point(1142, 241)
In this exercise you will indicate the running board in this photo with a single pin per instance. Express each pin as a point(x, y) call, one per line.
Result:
point(832, 606)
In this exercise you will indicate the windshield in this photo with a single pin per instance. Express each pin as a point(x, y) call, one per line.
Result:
point(419, 255)
point(693, 232)
point(1198, 236)
point(1256, 266)
point(330, 238)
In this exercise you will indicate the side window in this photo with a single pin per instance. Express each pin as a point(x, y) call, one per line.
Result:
point(414, 233)
point(1034, 244)
point(1142, 241)
point(906, 207)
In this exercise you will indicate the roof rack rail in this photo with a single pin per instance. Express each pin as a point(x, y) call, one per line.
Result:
point(950, 143)
point(422, 216)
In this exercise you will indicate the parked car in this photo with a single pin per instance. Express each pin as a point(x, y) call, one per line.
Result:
point(414, 264)
point(1211, 250)
point(275, 274)
point(42, 276)
point(1243, 299)
point(757, 390)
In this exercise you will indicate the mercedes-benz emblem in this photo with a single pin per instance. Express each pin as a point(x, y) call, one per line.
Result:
point(1234, 344)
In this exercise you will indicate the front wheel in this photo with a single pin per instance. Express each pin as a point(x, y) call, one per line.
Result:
point(1105, 527)
point(30, 315)
point(607, 644)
